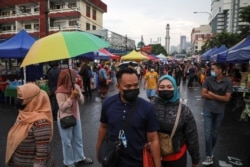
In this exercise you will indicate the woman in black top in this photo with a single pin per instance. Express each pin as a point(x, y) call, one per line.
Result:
point(186, 136)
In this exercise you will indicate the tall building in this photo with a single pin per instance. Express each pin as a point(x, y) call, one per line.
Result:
point(183, 45)
point(42, 17)
point(225, 15)
point(167, 39)
point(199, 36)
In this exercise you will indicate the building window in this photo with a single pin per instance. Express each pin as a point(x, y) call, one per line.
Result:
point(26, 10)
point(58, 6)
point(94, 14)
point(93, 27)
point(88, 11)
point(72, 23)
point(87, 26)
point(72, 5)
point(27, 26)
point(6, 27)
point(5, 13)
point(36, 9)
point(36, 26)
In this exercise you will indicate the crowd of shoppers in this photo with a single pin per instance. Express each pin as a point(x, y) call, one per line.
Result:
point(161, 81)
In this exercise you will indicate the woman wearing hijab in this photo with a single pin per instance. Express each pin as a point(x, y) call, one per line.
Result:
point(186, 136)
point(28, 142)
point(103, 81)
point(68, 95)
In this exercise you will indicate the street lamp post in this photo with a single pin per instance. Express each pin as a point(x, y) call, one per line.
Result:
point(210, 15)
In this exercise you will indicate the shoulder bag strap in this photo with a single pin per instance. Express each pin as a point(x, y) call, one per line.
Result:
point(176, 121)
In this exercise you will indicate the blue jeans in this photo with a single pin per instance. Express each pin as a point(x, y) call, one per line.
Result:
point(151, 92)
point(72, 143)
point(212, 122)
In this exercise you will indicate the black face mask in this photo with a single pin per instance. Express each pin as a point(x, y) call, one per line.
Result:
point(166, 94)
point(131, 94)
point(19, 104)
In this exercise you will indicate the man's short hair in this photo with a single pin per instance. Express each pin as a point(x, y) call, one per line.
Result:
point(125, 70)
point(221, 66)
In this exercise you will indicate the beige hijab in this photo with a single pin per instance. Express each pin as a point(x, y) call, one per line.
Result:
point(37, 108)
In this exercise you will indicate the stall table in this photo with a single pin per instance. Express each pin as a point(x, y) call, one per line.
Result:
point(240, 95)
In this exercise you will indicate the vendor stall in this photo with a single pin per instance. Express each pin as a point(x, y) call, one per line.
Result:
point(11, 90)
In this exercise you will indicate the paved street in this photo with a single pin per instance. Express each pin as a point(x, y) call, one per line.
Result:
point(232, 149)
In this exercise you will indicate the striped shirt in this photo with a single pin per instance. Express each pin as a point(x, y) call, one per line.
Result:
point(34, 150)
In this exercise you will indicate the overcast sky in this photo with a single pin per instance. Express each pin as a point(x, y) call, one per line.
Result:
point(149, 18)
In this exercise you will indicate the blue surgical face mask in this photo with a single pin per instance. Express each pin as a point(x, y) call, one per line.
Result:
point(213, 74)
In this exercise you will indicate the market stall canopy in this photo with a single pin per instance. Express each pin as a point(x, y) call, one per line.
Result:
point(17, 46)
point(112, 56)
point(206, 56)
point(161, 56)
point(133, 55)
point(243, 43)
point(98, 55)
point(147, 55)
point(216, 58)
point(239, 55)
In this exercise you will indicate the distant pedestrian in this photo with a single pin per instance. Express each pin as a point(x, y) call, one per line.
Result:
point(142, 127)
point(150, 83)
point(52, 76)
point(86, 74)
point(216, 91)
point(185, 138)
point(69, 96)
point(191, 75)
point(28, 142)
point(113, 72)
point(103, 84)
point(178, 73)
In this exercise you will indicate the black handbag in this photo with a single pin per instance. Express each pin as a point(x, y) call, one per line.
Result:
point(109, 152)
point(68, 121)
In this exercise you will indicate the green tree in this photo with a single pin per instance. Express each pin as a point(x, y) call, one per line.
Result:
point(230, 39)
point(157, 49)
point(223, 38)
point(244, 17)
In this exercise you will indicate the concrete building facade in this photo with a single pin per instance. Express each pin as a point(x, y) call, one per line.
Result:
point(225, 15)
point(183, 40)
point(199, 36)
point(42, 17)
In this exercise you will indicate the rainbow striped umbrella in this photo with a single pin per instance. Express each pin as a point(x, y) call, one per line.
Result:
point(62, 45)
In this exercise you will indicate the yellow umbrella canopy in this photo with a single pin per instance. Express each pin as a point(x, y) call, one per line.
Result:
point(133, 55)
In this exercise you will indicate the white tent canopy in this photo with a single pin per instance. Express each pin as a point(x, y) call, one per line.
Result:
point(161, 56)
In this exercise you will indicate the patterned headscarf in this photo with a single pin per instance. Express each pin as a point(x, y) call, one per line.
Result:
point(176, 96)
point(37, 108)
